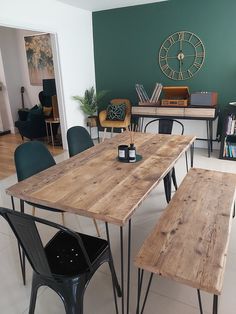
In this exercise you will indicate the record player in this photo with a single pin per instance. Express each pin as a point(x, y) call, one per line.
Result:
point(175, 96)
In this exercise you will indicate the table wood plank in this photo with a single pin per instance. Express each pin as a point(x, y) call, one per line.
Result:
point(190, 241)
point(95, 184)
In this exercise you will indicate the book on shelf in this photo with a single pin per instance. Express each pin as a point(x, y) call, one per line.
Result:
point(230, 146)
point(143, 96)
point(156, 93)
point(231, 125)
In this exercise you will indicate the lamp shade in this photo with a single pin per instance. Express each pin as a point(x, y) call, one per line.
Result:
point(49, 87)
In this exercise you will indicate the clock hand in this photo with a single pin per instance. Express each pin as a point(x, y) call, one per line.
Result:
point(181, 57)
point(180, 65)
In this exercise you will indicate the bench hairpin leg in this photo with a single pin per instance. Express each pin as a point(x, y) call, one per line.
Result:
point(146, 295)
point(215, 304)
point(234, 211)
point(140, 282)
point(199, 301)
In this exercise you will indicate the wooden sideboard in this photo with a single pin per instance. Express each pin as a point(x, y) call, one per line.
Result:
point(189, 113)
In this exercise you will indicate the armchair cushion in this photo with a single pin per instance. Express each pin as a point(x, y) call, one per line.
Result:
point(116, 112)
point(35, 111)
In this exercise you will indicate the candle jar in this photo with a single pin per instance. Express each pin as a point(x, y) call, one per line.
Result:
point(132, 153)
point(123, 153)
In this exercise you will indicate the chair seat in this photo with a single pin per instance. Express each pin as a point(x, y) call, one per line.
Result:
point(115, 124)
point(65, 256)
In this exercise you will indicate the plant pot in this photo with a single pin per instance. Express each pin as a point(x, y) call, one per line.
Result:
point(92, 121)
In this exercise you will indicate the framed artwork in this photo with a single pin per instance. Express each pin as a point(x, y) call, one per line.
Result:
point(39, 58)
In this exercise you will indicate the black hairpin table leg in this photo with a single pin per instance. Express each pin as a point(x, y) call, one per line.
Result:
point(122, 271)
point(128, 267)
point(116, 286)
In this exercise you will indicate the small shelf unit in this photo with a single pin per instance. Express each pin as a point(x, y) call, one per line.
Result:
point(228, 136)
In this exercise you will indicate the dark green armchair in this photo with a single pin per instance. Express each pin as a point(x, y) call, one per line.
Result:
point(34, 126)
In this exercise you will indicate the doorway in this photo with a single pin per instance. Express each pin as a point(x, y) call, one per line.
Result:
point(15, 69)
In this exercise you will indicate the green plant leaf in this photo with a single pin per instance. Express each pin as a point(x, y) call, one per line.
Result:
point(89, 103)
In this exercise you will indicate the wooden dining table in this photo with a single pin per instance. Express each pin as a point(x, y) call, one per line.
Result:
point(96, 185)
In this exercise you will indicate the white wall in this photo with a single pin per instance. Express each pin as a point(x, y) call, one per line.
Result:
point(10, 74)
point(73, 27)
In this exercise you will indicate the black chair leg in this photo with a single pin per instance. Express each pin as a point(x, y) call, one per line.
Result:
point(34, 289)
point(74, 300)
point(174, 179)
point(167, 186)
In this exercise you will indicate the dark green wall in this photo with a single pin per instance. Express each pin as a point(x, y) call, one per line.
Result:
point(127, 42)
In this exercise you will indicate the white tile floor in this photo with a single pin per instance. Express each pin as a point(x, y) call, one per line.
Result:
point(166, 297)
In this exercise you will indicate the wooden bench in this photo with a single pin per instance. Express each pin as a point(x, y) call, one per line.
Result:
point(190, 241)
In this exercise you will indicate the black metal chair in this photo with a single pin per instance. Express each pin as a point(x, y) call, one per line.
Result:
point(31, 158)
point(165, 126)
point(65, 264)
point(79, 140)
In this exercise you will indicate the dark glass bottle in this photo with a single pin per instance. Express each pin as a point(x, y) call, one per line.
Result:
point(132, 153)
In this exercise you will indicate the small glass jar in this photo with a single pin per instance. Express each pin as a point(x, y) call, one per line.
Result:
point(132, 153)
point(123, 152)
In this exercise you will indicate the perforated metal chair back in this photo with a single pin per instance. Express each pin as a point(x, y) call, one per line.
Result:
point(26, 232)
point(78, 140)
point(165, 126)
point(31, 158)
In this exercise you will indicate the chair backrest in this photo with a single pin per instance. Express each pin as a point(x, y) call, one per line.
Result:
point(31, 158)
point(125, 101)
point(26, 232)
point(165, 126)
point(45, 100)
point(78, 140)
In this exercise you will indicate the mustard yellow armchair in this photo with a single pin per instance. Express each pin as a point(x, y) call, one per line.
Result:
point(113, 123)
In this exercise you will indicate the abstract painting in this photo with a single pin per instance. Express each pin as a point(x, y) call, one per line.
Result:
point(39, 58)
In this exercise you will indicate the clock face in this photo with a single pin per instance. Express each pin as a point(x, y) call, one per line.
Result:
point(181, 55)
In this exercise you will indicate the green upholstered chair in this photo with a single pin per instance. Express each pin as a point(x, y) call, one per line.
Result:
point(34, 126)
point(79, 140)
point(31, 158)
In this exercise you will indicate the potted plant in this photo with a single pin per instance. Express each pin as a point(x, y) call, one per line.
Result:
point(89, 104)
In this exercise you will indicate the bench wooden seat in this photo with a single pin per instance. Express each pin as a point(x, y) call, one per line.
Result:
point(190, 241)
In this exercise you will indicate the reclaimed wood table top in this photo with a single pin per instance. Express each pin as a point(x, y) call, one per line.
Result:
point(95, 184)
point(190, 241)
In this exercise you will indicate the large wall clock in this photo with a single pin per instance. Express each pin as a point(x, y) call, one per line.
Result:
point(181, 55)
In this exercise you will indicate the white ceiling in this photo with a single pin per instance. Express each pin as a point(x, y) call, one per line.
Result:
point(98, 5)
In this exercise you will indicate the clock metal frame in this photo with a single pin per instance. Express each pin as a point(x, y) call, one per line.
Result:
point(198, 55)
